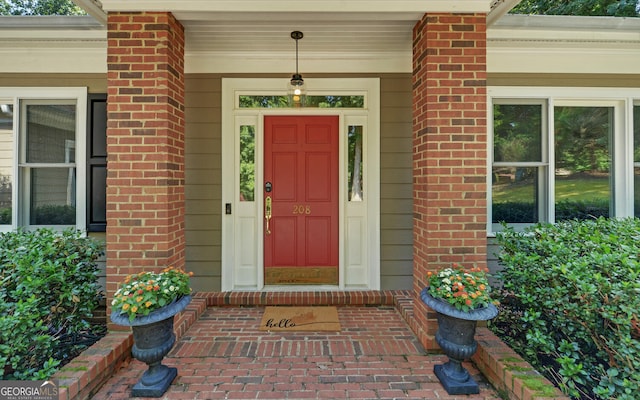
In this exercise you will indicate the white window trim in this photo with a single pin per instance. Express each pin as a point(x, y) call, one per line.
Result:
point(14, 95)
point(622, 99)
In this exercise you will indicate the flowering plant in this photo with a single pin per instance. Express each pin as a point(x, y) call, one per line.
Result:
point(144, 292)
point(464, 289)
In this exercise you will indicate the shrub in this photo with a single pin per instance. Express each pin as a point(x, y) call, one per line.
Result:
point(49, 290)
point(572, 301)
point(5, 216)
point(54, 214)
point(525, 212)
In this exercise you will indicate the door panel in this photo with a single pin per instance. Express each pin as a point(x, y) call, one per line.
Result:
point(301, 163)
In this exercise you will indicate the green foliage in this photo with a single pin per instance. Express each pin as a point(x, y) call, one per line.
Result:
point(5, 216)
point(617, 8)
point(517, 132)
point(144, 292)
point(525, 212)
point(49, 290)
point(571, 302)
point(465, 289)
point(582, 138)
point(39, 7)
point(247, 162)
point(311, 102)
point(54, 214)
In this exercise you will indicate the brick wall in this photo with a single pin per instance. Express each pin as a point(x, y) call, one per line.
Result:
point(449, 148)
point(145, 144)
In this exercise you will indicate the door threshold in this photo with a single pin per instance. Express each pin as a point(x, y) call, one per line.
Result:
point(301, 288)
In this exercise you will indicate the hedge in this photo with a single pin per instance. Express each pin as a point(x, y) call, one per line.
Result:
point(49, 291)
point(571, 303)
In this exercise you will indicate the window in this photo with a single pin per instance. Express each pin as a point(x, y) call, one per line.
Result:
point(277, 101)
point(354, 134)
point(583, 164)
point(557, 157)
point(6, 162)
point(42, 137)
point(519, 167)
point(247, 162)
point(636, 159)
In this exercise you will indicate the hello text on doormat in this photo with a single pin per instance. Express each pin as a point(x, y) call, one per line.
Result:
point(310, 319)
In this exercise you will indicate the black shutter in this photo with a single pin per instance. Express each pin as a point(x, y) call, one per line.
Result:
point(97, 163)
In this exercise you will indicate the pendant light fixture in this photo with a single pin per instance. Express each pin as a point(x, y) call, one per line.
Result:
point(297, 90)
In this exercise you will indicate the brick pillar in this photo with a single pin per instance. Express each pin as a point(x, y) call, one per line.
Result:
point(145, 144)
point(449, 149)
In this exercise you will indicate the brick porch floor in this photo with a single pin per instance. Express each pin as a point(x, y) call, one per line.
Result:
point(224, 355)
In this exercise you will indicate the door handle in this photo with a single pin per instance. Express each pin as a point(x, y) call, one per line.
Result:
point(267, 214)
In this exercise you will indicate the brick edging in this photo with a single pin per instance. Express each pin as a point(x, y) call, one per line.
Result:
point(84, 375)
point(509, 373)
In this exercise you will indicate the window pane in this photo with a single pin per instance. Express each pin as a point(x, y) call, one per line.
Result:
point(50, 133)
point(335, 101)
point(583, 161)
point(53, 193)
point(355, 163)
point(636, 134)
point(517, 132)
point(636, 159)
point(6, 162)
point(636, 198)
point(247, 162)
point(311, 101)
point(515, 195)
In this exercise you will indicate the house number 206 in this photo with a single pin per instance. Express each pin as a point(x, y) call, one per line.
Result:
point(301, 209)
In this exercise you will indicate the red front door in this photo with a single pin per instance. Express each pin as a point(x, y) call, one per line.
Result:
point(300, 191)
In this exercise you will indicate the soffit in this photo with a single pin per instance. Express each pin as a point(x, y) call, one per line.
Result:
point(339, 29)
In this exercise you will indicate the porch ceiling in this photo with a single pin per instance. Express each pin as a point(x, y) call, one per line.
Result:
point(340, 35)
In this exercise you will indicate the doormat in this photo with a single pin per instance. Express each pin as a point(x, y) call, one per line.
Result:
point(310, 319)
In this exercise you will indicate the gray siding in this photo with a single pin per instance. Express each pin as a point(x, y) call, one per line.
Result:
point(204, 175)
point(97, 83)
point(396, 180)
point(567, 80)
point(203, 180)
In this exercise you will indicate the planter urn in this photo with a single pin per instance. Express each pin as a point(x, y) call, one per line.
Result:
point(455, 336)
point(153, 338)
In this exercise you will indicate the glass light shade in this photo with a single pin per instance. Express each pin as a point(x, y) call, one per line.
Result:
point(297, 91)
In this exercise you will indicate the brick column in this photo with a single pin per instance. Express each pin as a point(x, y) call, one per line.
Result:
point(449, 149)
point(145, 144)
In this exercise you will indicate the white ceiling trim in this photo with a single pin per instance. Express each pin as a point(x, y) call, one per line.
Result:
point(278, 6)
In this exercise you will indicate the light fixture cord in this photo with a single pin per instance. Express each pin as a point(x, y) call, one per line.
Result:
point(296, 56)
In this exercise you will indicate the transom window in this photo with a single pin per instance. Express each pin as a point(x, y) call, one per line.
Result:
point(556, 157)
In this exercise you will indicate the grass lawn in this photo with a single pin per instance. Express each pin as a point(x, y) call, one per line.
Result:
point(582, 188)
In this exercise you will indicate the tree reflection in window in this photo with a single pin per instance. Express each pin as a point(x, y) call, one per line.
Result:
point(583, 137)
point(355, 163)
point(311, 102)
point(247, 162)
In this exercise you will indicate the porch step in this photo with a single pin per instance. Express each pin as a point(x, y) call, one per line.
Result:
point(305, 298)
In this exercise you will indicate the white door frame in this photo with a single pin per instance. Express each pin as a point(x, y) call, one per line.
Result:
point(359, 238)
